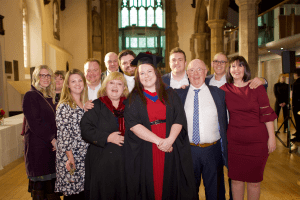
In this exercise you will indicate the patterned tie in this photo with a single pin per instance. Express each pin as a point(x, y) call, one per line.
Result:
point(196, 133)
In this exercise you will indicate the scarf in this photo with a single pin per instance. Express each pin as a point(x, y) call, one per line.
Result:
point(118, 113)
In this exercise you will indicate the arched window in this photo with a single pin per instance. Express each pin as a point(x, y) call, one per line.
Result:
point(142, 26)
point(25, 29)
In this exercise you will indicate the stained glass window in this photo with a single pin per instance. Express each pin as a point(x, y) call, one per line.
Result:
point(142, 26)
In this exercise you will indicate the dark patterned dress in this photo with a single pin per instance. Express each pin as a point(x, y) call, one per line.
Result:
point(69, 138)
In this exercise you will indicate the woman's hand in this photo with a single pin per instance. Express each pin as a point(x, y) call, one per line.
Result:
point(53, 142)
point(88, 105)
point(70, 164)
point(271, 144)
point(165, 145)
point(116, 138)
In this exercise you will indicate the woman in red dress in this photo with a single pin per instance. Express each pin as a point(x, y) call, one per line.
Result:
point(158, 160)
point(250, 130)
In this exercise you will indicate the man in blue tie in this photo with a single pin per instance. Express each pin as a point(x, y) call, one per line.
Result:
point(207, 125)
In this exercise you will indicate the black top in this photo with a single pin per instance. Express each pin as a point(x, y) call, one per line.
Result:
point(104, 163)
point(296, 93)
point(281, 91)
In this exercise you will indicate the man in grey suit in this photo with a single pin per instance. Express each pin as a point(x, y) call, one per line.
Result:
point(207, 125)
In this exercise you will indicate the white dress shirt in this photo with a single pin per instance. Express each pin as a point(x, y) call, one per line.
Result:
point(93, 93)
point(217, 83)
point(177, 84)
point(130, 82)
point(208, 115)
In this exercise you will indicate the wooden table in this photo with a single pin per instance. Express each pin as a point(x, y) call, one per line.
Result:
point(11, 141)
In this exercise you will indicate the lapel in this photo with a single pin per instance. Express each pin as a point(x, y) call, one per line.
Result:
point(216, 98)
point(107, 115)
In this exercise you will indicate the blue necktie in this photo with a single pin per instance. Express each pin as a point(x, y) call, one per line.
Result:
point(196, 133)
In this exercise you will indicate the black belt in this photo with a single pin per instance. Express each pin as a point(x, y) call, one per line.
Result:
point(159, 121)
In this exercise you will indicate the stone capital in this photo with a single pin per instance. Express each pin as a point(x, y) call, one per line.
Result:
point(216, 23)
point(247, 2)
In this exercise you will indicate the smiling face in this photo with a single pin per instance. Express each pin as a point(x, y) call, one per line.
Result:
point(237, 71)
point(147, 77)
point(59, 81)
point(114, 89)
point(76, 84)
point(45, 78)
point(177, 62)
point(197, 72)
point(92, 72)
point(219, 64)
point(126, 67)
point(111, 62)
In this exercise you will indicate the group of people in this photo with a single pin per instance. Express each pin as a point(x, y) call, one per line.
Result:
point(131, 133)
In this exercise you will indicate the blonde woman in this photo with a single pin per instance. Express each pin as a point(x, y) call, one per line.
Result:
point(40, 134)
point(103, 127)
point(71, 149)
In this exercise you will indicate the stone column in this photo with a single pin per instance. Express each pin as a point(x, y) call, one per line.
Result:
point(217, 42)
point(248, 32)
point(200, 45)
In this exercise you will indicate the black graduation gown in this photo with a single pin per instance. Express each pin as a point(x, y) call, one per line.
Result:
point(179, 180)
point(104, 163)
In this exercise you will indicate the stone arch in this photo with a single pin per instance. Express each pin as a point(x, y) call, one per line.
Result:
point(217, 9)
point(198, 40)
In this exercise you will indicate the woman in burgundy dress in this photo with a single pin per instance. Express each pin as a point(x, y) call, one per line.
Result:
point(40, 134)
point(250, 131)
point(158, 160)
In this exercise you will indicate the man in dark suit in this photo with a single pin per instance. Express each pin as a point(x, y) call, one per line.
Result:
point(111, 63)
point(177, 77)
point(206, 114)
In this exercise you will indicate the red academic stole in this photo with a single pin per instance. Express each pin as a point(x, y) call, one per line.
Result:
point(117, 112)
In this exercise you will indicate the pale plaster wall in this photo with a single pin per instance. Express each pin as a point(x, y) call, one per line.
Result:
point(13, 38)
point(185, 21)
point(75, 32)
point(34, 34)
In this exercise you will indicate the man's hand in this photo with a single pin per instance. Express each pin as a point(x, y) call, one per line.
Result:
point(254, 83)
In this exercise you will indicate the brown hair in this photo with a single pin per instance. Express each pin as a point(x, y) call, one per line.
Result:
point(92, 60)
point(178, 50)
point(159, 87)
point(243, 62)
point(60, 73)
point(125, 53)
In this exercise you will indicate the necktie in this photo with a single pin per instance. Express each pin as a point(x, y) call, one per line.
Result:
point(196, 133)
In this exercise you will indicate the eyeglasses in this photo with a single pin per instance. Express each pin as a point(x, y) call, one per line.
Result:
point(219, 62)
point(45, 75)
point(192, 71)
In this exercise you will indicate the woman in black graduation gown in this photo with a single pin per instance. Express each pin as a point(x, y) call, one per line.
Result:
point(158, 159)
point(103, 127)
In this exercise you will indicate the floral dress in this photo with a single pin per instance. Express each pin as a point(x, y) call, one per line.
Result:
point(69, 138)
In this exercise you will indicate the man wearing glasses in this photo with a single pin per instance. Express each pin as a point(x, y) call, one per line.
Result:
point(219, 64)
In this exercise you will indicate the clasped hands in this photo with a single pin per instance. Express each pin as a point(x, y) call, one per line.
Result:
point(165, 145)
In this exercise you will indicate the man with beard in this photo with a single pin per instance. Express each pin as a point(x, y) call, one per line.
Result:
point(125, 57)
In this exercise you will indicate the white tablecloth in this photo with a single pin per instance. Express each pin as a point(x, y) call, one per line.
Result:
point(11, 144)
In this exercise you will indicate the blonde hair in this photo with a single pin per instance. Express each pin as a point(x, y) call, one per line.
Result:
point(279, 78)
point(50, 90)
point(110, 77)
point(66, 96)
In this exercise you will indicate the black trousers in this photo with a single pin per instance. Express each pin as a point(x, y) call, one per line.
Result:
point(285, 113)
point(296, 109)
